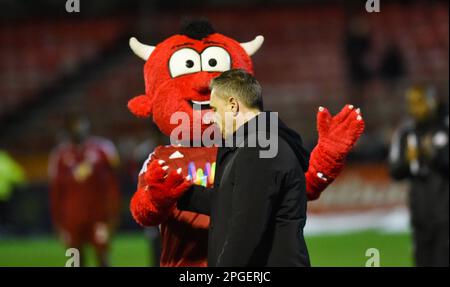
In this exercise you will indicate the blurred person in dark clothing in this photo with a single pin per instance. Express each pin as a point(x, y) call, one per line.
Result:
point(392, 66)
point(419, 152)
point(357, 47)
point(84, 190)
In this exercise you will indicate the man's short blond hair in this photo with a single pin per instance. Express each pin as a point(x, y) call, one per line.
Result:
point(240, 84)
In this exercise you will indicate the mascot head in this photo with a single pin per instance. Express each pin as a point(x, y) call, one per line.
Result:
point(178, 72)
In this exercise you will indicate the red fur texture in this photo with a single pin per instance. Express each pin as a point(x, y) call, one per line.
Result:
point(156, 198)
point(337, 136)
point(166, 94)
point(141, 106)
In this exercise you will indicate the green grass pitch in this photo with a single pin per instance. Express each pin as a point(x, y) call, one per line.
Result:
point(347, 249)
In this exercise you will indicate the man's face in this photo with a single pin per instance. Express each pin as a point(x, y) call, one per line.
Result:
point(78, 130)
point(418, 107)
point(221, 110)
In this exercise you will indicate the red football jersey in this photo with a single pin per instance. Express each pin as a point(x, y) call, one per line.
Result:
point(84, 188)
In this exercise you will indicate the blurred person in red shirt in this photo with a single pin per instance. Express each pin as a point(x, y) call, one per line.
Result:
point(84, 190)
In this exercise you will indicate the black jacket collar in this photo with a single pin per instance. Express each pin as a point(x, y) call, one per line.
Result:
point(290, 136)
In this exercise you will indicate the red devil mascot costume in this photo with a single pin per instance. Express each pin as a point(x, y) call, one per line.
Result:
point(177, 74)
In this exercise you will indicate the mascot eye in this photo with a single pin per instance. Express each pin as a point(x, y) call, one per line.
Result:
point(184, 61)
point(189, 63)
point(212, 62)
point(215, 59)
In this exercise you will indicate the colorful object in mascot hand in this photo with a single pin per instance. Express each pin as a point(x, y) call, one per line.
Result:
point(177, 74)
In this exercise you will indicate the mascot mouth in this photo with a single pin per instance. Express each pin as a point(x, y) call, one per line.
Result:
point(200, 105)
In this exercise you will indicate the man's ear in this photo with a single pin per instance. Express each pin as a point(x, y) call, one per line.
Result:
point(234, 105)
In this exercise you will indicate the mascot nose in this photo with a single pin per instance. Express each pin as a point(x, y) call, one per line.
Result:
point(204, 90)
point(202, 81)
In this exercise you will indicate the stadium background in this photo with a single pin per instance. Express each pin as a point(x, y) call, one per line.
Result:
point(54, 63)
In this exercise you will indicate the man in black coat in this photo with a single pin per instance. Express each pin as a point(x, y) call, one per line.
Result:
point(257, 205)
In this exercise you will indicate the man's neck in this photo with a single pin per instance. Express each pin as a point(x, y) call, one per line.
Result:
point(243, 118)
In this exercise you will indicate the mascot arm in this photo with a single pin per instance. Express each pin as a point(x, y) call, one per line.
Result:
point(157, 193)
point(337, 136)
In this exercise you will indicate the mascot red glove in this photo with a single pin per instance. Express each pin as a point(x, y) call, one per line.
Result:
point(158, 191)
point(177, 74)
point(337, 136)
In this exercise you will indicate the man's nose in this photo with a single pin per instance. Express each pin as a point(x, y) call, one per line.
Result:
point(209, 117)
point(214, 118)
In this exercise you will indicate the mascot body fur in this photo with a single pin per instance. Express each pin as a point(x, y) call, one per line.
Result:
point(177, 75)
